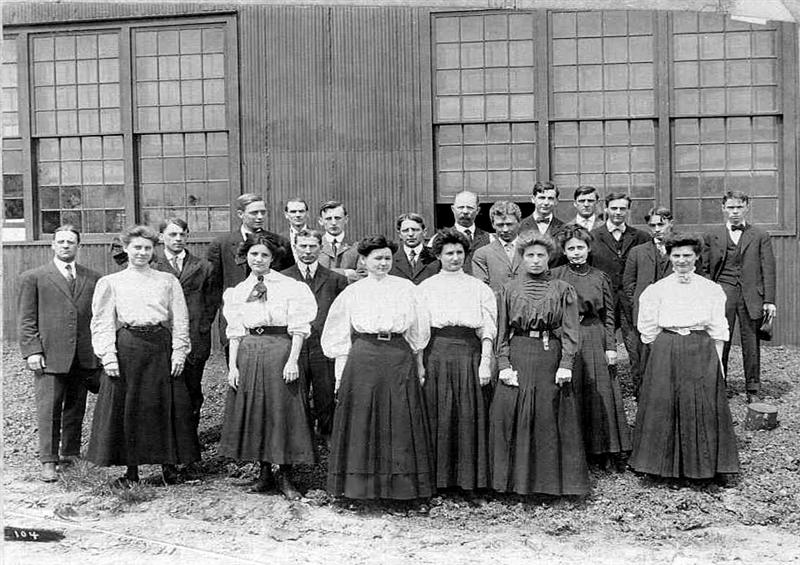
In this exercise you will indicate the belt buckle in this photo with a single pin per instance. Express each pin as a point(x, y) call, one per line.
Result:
point(259, 330)
point(384, 336)
point(535, 333)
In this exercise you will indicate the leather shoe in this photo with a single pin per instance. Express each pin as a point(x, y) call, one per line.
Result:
point(68, 460)
point(48, 474)
point(752, 398)
point(265, 481)
point(286, 486)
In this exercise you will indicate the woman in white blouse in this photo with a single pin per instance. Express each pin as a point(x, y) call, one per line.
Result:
point(683, 425)
point(458, 363)
point(376, 329)
point(140, 332)
point(266, 413)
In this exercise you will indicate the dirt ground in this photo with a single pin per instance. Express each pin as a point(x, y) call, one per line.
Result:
point(209, 519)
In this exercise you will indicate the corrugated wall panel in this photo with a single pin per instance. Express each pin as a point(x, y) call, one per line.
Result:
point(787, 322)
point(15, 13)
point(349, 117)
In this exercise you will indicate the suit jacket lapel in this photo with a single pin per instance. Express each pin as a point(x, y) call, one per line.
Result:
point(190, 265)
point(497, 247)
point(59, 280)
point(746, 239)
point(80, 280)
point(401, 260)
point(319, 279)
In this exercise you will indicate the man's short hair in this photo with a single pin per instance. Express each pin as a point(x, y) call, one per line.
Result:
point(70, 228)
point(505, 208)
point(618, 196)
point(585, 189)
point(330, 205)
point(737, 194)
point(413, 216)
point(244, 200)
point(541, 186)
point(475, 194)
point(306, 232)
point(662, 211)
point(177, 221)
point(295, 199)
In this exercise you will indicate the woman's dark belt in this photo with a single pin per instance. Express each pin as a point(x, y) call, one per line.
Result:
point(144, 329)
point(544, 335)
point(268, 330)
point(453, 331)
point(380, 336)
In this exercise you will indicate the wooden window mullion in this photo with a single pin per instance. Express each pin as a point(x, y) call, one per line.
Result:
point(663, 56)
point(25, 128)
point(126, 123)
point(542, 97)
point(788, 169)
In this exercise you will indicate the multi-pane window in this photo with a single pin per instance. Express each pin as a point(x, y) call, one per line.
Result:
point(128, 122)
point(76, 96)
point(180, 88)
point(12, 145)
point(726, 84)
point(484, 73)
point(671, 109)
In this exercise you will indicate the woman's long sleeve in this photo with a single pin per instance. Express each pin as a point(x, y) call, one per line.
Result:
point(503, 331)
point(231, 309)
point(104, 322)
point(181, 344)
point(718, 326)
point(570, 328)
point(419, 329)
point(302, 311)
point(608, 315)
point(647, 324)
point(335, 339)
point(488, 329)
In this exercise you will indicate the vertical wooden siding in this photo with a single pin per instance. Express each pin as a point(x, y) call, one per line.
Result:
point(348, 110)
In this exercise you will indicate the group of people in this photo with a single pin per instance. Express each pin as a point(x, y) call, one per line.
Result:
point(468, 360)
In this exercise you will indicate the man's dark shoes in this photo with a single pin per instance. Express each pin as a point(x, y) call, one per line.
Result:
point(48, 474)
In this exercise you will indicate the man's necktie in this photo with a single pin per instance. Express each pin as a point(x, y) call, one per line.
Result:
point(412, 257)
point(308, 274)
point(259, 292)
point(175, 264)
point(740, 227)
point(70, 278)
point(468, 233)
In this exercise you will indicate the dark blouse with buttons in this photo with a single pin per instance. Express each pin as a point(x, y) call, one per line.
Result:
point(537, 303)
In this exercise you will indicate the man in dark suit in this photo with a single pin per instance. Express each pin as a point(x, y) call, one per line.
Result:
point(413, 261)
point(545, 200)
point(197, 281)
point(613, 240)
point(465, 207)
point(55, 310)
point(739, 256)
point(646, 264)
point(230, 269)
point(326, 286)
point(337, 253)
point(497, 263)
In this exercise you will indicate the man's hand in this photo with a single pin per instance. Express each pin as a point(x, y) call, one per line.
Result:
point(769, 310)
point(36, 362)
point(563, 376)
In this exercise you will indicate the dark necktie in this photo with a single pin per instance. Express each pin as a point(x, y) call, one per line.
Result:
point(259, 292)
point(740, 227)
point(70, 278)
point(412, 257)
point(468, 233)
point(175, 264)
point(309, 277)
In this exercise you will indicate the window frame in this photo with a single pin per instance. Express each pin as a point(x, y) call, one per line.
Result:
point(125, 27)
point(663, 117)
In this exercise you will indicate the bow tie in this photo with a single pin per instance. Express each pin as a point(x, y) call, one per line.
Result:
point(740, 227)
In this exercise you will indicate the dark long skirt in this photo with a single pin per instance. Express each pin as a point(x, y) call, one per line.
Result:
point(380, 447)
point(603, 422)
point(145, 415)
point(266, 419)
point(683, 426)
point(534, 431)
point(457, 409)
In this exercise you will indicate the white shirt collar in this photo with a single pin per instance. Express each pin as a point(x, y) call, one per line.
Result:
point(730, 225)
point(463, 230)
point(539, 219)
point(418, 249)
point(587, 223)
point(330, 239)
point(61, 266)
point(612, 228)
point(169, 255)
point(303, 268)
